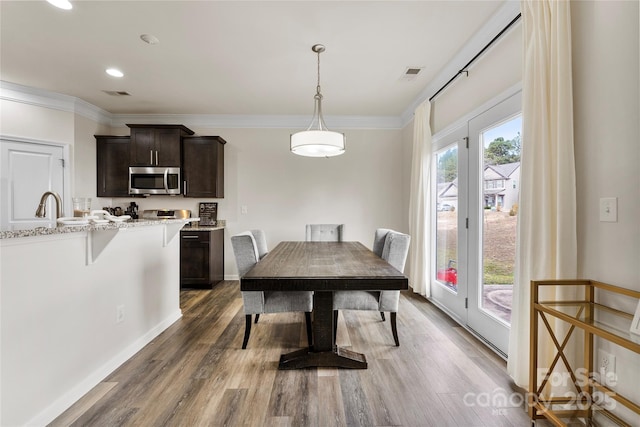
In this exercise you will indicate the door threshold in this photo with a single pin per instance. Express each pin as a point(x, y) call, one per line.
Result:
point(479, 337)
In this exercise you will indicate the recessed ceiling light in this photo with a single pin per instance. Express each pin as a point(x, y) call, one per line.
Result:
point(148, 38)
point(62, 4)
point(114, 72)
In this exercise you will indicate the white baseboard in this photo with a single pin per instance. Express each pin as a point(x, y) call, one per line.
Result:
point(72, 396)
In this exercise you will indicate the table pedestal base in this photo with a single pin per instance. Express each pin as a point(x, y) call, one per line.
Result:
point(338, 358)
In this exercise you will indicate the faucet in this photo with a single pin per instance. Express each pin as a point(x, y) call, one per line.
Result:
point(41, 212)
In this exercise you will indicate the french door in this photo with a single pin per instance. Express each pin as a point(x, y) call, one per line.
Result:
point(476, 171)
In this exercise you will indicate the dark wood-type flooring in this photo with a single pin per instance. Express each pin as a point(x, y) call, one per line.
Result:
point(196, 374)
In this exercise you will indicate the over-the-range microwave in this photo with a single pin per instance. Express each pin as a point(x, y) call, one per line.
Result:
point(154, 180)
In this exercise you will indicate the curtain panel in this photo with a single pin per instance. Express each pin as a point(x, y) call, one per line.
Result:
point(547, 241)
point(419, 202)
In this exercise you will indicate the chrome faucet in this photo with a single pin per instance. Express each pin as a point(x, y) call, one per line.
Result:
point(41, 212)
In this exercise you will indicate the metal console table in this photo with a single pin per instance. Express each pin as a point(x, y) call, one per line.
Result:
point(595, 319)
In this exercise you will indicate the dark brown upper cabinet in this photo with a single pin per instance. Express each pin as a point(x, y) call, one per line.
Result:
point(203, 166)
point(112, 154)
point(156, 145)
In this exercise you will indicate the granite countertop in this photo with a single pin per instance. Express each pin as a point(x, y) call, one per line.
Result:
point(195, 226)
point(45, 231)
point(202, 228)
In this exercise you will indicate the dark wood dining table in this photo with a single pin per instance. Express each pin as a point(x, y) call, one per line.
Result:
point(322, 267)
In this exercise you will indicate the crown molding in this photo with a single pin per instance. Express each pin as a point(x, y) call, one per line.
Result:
point(57, 101)
point(258, 121)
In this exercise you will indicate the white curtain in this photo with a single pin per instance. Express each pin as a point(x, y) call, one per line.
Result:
point(547, 242)
point(419, 202)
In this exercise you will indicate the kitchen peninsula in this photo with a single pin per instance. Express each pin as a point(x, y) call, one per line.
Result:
point(77, 302)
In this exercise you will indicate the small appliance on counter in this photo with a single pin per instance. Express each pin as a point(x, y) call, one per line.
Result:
point(132, 210)
point(166, 214)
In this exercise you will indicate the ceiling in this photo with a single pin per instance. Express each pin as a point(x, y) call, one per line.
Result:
point(240, 57)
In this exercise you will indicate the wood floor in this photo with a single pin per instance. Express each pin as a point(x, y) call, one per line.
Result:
point(196, 374)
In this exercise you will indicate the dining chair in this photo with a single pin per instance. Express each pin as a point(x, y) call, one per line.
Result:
point(249, 248)
point(324, 232)
point(393, 247)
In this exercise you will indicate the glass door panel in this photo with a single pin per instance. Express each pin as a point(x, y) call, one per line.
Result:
point(447, 217)
point(501, 185)
point(449, 289)
point(494, 183)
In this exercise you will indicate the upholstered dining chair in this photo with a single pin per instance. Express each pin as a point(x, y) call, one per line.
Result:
point(249, 247)
point(393, 247)
point(324, 232)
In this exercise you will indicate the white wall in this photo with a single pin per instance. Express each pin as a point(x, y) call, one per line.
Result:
point(606, 97)
point(607, 137)
point(35, 122)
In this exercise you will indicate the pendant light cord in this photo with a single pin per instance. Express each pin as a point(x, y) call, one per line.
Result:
point(318, 85)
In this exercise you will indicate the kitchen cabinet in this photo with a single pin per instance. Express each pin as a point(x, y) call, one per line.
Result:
point(203, 166)
point(201, 258)
point(112, 165)
point(156, 145)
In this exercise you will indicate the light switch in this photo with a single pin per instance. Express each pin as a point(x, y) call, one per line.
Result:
point(243, 209)
point(609, 209)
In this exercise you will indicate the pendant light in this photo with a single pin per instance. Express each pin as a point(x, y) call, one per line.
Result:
point(317, 140)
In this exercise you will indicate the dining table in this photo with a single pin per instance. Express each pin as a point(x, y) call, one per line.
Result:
point(323, 268)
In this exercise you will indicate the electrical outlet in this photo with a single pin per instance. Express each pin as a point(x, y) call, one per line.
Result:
point(606, 363)
point(120, 314)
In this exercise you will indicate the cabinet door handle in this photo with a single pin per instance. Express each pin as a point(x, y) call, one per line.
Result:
point(151, 157)
point(156, 157)
point(184, 187)
point(190, 237)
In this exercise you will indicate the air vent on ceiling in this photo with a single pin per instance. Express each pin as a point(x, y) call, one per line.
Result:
point(117, 92)
point(411, 73)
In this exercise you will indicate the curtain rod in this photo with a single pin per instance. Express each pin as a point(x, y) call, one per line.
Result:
point(488, 45)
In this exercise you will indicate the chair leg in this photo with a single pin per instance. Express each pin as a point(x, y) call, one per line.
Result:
point(307, 318)
point(382, 315)
point(247, 330)
point(335, 325)
point(257, 315)
point(394, 328)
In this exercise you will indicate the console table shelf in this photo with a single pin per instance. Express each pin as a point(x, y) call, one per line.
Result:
point(583, 313)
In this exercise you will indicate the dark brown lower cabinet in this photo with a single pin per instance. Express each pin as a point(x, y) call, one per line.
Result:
point(201, 258)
